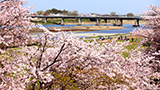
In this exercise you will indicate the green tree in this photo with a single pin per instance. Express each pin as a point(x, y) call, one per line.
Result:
point(74, 13)
point(40, 12)
point(47, 12)
point(130, 14)
point(113, 14)
point(65, 12)
point(54, 11)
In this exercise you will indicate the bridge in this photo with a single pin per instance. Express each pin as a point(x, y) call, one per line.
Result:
point(118, 19)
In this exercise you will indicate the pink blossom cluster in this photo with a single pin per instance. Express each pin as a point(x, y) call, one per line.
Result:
point(36, 63)
point(14, 23)
point(151, 37)
point(87, 65)
point(151, 34)
point(151, 29)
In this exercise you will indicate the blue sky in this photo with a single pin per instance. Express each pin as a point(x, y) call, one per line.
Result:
point(97, 6)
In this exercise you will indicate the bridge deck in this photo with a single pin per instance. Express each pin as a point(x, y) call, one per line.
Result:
point(88, 17)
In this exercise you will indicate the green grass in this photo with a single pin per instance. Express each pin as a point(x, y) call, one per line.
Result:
point(90, 40)
point(116, 35)
point(70, 20)
point(48, 22)
point(131, 47)
point(85, 20)
point(125, 54)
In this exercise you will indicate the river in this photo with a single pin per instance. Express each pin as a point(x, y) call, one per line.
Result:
point(128, 29)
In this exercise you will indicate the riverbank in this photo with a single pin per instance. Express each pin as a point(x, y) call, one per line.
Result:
point(94, 35)
point(78, 28)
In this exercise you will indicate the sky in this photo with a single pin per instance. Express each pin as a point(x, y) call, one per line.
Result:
point(97, 6)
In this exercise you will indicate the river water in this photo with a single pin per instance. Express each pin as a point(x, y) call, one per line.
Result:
point(128, 29)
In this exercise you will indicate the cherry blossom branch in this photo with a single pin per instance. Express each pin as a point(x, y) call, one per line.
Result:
point(40, 58)
point(55, 60)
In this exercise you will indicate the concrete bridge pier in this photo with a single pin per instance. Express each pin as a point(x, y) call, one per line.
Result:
point(115, 23)
point(62, 21)
point(79, 22)
point(105, 20)
point(45, 20)
point(136, 23)
point(121, 22)
point(98, 22)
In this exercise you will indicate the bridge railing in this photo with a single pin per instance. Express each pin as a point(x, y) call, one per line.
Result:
point(82, 16)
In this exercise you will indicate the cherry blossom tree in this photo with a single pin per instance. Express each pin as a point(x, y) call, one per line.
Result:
point(62, 61)
point(151, 37)
point(150, 33)
point(58, 57)
point(14, 23)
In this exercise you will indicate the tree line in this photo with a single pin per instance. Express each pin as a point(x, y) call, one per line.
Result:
point(56, 11)
point(73, 13)
point(115, 14)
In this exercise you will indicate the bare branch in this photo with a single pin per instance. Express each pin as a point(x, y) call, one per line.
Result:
point(55, 60)
point(43, 50)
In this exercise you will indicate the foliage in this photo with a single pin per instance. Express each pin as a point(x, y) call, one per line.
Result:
point(150, 32)
point(56, 11)
point(14, 24)
point(62, 61)
point(83, 65)
point(47, 12)
point(40, 12)
point(73, 13)
point(113, 14)
point(151, 36)
point(130, 14)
